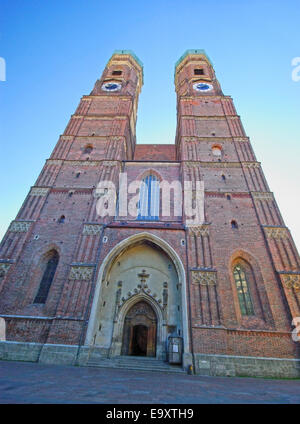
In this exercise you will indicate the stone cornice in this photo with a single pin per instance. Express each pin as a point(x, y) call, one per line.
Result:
point(105, 162)
point(151, 163)
point(100, 117)
point(262, 195)
point(31, 317)
point(223, 193)
point(75, 191)
point(211, 117)
point(106, 96)
point(54, 161)
point(66, 137)
point(214, 139)
point(213, 164)
point(211, 97)
point(251, 164)
point(95, 137)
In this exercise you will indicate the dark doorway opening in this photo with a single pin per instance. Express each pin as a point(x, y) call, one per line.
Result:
point(139, 340)
point(139, 332)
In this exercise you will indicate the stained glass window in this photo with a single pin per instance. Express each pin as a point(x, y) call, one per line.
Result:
point(243, 291)
point(149, 199)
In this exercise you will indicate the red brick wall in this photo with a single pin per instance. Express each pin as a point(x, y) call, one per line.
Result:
point(107, 122)
point(157, 152)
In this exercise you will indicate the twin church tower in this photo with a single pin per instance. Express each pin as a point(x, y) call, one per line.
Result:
point(80, 288)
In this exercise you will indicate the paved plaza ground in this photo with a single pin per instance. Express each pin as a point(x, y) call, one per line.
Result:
point(23, 382)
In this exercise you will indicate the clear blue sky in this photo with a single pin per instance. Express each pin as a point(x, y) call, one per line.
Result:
point(55, 51)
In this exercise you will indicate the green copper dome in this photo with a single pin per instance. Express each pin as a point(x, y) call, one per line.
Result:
point(192, 51)
point(130, 52)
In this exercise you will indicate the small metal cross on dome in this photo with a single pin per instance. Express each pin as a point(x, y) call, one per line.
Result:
point(143, 276)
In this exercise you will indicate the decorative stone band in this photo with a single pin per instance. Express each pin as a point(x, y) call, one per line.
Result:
point(199, 230)
point(214, 139)
point(81, 272)
point(39, 191)
point(117, 138)
point(98, 117)
point(262, 195)
point(110, 163)
point(19, 226)
point(190, 139)
point(66, 137)
point(276, 232)
point(91, 229)
point(54, 161)
point(241, 139)
point(4, 267)
point(188, 99)
point(213, 164)
point(204, 278)
point(291, 281)
point(251, 164)
point(81, 162)
point(107, 97)
point(211, 117)
point(97, 137)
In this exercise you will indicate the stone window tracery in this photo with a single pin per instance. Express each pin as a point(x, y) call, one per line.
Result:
point(243, 292)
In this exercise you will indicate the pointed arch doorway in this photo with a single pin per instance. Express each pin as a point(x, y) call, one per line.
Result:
point(140, 330)
point(117, 283)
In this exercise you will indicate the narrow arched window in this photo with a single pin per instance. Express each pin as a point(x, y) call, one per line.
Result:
point(50, 263)
point(234, 224)
point(217, 151)
point(88, 149)
point(148, 207)
point(61, 220)
point(243, 292)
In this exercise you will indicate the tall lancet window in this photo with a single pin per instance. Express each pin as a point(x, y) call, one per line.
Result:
point(50, 265)
point(243, 291)
point(148, 207)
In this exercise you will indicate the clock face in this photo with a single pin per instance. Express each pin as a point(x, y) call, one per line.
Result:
point(202, 86)
point(111, 86)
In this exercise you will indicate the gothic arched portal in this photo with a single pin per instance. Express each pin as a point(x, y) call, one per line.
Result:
point(142, 270)
point(139, 331)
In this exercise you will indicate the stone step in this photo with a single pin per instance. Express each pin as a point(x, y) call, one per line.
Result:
point(139, 368)
point(157, 364)
point(131, 363)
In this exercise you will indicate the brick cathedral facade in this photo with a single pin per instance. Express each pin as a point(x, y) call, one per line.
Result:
point(75, 285)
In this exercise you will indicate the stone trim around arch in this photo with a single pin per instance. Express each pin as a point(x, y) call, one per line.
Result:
point(105, 266)
point(263, 317)
point(149, 171)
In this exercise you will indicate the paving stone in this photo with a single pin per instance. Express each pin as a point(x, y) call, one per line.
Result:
point(42, 383)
